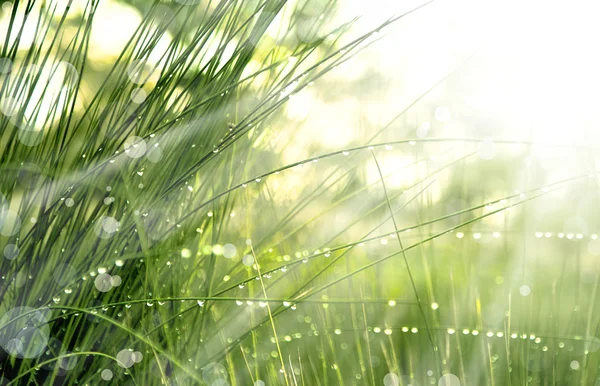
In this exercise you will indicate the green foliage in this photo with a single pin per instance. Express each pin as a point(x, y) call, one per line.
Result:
point(150, 236)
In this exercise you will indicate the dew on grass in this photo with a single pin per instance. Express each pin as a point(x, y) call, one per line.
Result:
point(103, 282)
point(67, 363)
point(248, 260)
point(154, 154)
point(391, 379)
point(106, 374)
point(135, 147)
point(125, 358)
point(69, 202)
point(229, 251)
point(11, 251)
point(138, 95)
point(574, 365)
point(592, 344)
point(106, 227)
point(24, 331)
point(115, 280)
point(524, 290)
point(449, 380)
point(137, 356)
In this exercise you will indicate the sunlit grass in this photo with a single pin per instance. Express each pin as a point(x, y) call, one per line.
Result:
point(163, 222)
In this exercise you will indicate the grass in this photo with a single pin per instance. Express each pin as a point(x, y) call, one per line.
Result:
point(152, 234)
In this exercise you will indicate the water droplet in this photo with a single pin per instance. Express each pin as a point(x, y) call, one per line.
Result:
point(106, 374)
point(525, 290)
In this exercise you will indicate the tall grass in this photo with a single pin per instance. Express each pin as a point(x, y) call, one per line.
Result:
point(152, 235)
